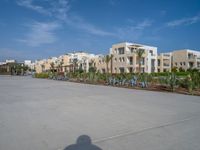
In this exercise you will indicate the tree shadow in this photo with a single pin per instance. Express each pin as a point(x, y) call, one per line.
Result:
point(83, 142)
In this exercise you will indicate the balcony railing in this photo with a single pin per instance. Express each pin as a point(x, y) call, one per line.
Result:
point(130, 63)
point(166, 65)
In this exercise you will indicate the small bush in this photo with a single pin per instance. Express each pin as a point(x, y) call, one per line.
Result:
point(41, 75)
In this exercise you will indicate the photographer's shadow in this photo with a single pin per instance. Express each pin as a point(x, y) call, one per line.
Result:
point(83, 142)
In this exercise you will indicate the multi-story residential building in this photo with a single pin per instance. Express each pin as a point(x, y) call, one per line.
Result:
point(2, 63)
point(125, 59)
point(81, 60)
point(66, 63)
point(99, 63)
point(186, 59)
point(48, 64)
point(11, 61)
point(164, 62)
point(30, 64)
point(27, 63)
point(40, 65)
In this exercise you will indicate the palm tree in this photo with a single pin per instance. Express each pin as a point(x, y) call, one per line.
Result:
point(60, 65)
point(74, 64)
point(107, 60)
point(139, 53)
point(111, 63)
point(92, 67)
point(43, 67)
point(52, 66)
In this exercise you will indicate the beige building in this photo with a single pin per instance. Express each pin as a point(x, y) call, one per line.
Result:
point(125, 59)
point(82, 60)
point(48, 63)
point(66, 63)
point(99, 63)
point(40, 65)
point(164, 62)
point(186, 59)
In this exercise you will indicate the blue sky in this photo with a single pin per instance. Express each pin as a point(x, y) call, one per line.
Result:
point(35, 29)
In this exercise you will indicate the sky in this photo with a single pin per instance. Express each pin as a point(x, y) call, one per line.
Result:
point(36, 29)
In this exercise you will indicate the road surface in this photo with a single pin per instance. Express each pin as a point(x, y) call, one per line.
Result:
point(39, 114)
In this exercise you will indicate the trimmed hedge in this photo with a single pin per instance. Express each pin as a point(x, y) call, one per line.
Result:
point(167, 73)
point(41, 75)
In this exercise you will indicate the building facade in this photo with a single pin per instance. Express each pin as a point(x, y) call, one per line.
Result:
point(125, 59)
point(100, 64)
point(186, 59)
point(164, 62)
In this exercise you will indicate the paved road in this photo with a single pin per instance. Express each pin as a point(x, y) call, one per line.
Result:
point(38, 114)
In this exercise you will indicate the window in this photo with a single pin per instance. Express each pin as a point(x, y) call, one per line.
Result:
point(121, 69)
point(151, 52)
point(131, 60)
point(143, 59)
point(130, 70)
point(115, 59)
point(115, 51)
point(132, 50)
point(121, 50)
point(158, 62)
point(103, 71)
point(123, 60)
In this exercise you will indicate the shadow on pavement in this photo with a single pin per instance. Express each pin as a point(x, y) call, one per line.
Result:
point(83, 142)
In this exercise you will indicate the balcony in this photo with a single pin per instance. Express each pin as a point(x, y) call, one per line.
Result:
point(166, 65)
point(130, 63)
point(166, 55)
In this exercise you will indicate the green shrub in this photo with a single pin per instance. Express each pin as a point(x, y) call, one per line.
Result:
point(41, 75)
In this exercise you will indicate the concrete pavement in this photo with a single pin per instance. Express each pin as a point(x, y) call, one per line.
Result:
point(37, 114)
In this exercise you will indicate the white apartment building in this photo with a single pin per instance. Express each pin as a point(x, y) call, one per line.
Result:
point(11, 61)
point(125, 59)
point(81, 59)
point(28, 63)
point(186, 59)
point(2, 63)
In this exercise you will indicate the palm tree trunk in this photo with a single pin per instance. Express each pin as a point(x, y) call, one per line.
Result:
point(111, 65)
point(107, 68)
point(139, 65)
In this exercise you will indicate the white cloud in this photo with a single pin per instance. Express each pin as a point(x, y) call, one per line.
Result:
point(184, 21)
point(59, 9)
point(40, 33)
point(29, 4)
point(133, 32)
point(81, 24)
point(142, 25)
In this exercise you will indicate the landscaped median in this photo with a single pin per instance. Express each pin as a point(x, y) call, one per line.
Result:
point(179, 82)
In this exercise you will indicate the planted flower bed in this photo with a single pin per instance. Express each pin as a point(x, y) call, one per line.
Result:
point(179, 82)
